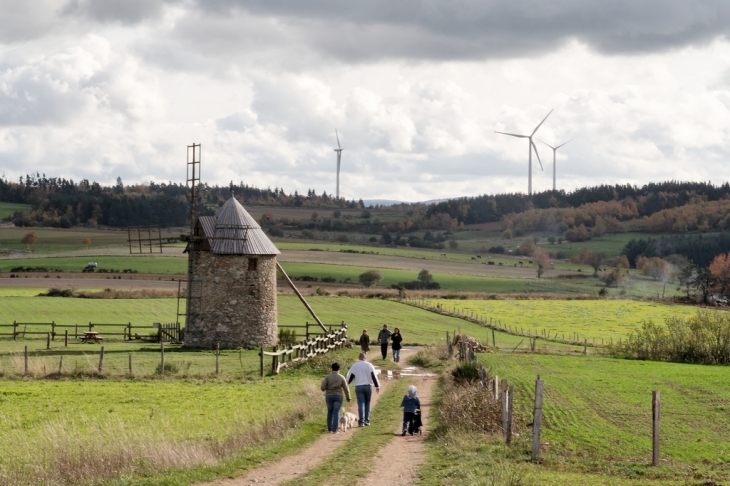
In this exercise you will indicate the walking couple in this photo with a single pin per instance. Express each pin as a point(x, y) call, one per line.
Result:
point(384, 336)
point(335, 385)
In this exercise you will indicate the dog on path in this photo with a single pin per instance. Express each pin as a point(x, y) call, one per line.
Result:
point(347, 421)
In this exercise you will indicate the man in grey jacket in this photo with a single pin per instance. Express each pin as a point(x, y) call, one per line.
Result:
point(383, 338)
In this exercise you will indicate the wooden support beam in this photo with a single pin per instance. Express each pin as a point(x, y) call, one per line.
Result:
point(301, 297)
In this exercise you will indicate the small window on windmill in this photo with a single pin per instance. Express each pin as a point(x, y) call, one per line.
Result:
point(252, 264)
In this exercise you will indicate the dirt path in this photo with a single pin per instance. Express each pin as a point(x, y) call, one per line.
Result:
point(291, 467)
point(404, 455)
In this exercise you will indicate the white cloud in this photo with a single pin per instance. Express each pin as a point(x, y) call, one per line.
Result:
point(95, 90)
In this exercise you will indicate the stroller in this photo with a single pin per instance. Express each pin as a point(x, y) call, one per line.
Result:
point(417, 423)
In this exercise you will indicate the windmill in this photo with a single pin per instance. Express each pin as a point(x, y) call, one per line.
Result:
point(530, 148)
point(555, 149)
point(339, 150)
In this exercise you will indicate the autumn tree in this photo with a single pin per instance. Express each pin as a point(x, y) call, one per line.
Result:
point(370, 278)
point(453, 244)
point(527, 247)
point(86, 242)
point(591, 258)
point(720, 269)
point(542, 258)
point(29, 239)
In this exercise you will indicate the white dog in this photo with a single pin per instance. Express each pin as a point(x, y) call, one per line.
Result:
point(347, 421)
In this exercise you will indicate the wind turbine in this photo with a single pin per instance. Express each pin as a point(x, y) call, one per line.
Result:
point(555, 149)
point(530, 148)
point(339, 150)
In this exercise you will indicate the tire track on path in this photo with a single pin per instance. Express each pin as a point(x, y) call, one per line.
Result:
point(404, 455)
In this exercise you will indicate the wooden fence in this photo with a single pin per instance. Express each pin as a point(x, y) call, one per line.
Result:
point(309, 348)
point(503, 393)
point(20, 330)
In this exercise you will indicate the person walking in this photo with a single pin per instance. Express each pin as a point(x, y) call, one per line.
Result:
point(410, 404)
point(364, 341)
point(383, 338)
point(363, 374)
point(397, 339)
point(333, 386)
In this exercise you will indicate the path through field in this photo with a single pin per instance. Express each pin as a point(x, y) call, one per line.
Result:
point(404, 454)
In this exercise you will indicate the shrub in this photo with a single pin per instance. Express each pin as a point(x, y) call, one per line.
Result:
point(170, 368)
point(497, 250)
point(466, 372)
point(287, 337)
point(370, 278)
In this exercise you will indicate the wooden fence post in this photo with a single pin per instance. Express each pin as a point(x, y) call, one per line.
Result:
point(76, 331)
point(129, 331)
point(130, 364)
point(48, 341)
point(495, 383)
point(26, 360)
point(217, 354)
point(101, 360)
point(65, 338)
point(53, 330)
point(504, 392)
point(60, 365)
point(537, 419)
point(162, 358)
point(15, 329)
point(494, 340)
point(274, 368)
point(655, 405)
point(261, 358)
point(510, 409)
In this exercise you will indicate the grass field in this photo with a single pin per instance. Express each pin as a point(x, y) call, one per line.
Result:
point(597, 414)
point(8, 209)
point(591, 319)
point(142, 263)
point(54, 240)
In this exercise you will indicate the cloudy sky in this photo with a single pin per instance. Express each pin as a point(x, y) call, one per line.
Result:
point(416, 88)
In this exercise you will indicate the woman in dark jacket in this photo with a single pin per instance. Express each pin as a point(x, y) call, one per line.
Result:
point(396, 338)
point(364, 341)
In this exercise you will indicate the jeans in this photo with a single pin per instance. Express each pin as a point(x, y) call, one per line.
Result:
point(396, 355)
point(384, 350)
point(334, 402)
point(364, 393)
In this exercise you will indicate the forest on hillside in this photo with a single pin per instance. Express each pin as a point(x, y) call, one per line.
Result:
point(668, 207)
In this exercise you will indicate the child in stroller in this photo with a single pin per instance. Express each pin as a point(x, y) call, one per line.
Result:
point(411, 412)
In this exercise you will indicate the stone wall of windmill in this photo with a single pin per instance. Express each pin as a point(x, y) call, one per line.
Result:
point(233, 273)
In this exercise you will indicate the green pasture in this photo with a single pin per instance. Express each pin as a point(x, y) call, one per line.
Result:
point(592, 319)
point(154, 264)
point(597, 414)
point(8, 209)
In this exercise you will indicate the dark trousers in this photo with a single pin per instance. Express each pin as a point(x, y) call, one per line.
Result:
point(409, 422)
point(384, 350)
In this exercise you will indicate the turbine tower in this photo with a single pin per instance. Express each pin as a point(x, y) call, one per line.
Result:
point(555, 149)
point(530, 148)
point(339, 150)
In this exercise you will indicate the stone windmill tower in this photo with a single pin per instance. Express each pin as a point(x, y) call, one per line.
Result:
point(231, 282)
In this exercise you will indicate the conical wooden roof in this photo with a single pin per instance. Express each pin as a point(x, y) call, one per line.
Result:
point(232, 231)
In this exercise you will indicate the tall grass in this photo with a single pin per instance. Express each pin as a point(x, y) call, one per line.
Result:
point(62, 453)
point(703, 338)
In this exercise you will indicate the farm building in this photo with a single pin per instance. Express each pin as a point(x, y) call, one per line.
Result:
point(231, 282)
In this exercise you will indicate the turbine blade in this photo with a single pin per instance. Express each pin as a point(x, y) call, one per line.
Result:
point(554, 148)
point(566, 143)
point(338, 140)
point(543, 121)
point(538, 155)
point(513, 135)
